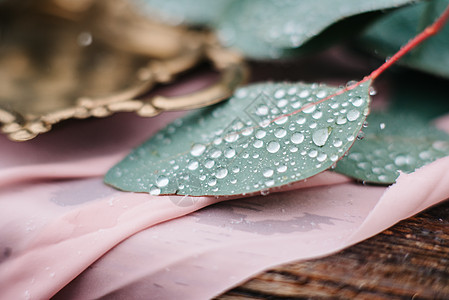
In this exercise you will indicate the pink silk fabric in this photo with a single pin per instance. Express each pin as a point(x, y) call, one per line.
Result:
point(64, 234)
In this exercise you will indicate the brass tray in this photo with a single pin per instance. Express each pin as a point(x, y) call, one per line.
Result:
point(62, 59)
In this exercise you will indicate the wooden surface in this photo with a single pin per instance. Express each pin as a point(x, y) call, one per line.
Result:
point(408, 261)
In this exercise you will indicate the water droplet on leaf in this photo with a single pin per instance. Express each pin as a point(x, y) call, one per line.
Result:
point(273, 147)
point(320, 136)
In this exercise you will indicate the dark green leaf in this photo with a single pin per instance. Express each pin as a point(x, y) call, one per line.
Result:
point(393, 143)
point(388, 34)
point(418, 94)
point(268, 28)
point(248, 143)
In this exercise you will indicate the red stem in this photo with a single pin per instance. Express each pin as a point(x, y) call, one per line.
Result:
point(429, 31)
point(425, 34)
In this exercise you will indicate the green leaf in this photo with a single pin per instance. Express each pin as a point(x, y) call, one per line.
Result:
point(191, 12)
point(393, 143)
point(269, 28)
point(418, 94)
point(265, 136)
point(389, 33)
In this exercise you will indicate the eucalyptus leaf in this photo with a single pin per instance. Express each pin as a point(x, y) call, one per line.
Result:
point(418, 94)
point(266, 135)
point(191, 12)
point(268, 28)
point(393, 143)
point(389, 33)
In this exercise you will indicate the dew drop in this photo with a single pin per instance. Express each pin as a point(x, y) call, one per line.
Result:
point(260, 134)
point(215, 153)
point(155, 191)
point(236, 169)
point(337, 143)
point(209, 164)
point(212, 182)
point(273, 147)
point(118, 173)
point(297, 138)
point(282, 102)
point(258, 144)
point(321, 94)
point(317, 115)
point(402, 160)
point(310, 108)
point(440, 145)
point(241, 93)
point(280, 133)
point(262, 110)
point(247, 131)
point(355, 156)
point(377, 170)
point(282, 168)
point(193, 165)
point(301, 120)
point(334, 157)
point(269, 183)
point(264, 123)
point(292, 90)
point(279, 94)
point(296, 104)
point(382, 178)
point(231, 137)
point(197, 149)
point(360, 135)
point(313, 153)
point(162, 181)
point(320, 136)
point(351, 83)
point(390, 167)
point(425, 155)
point(293, 149)
point(353, 115)
point(304, 94)
point(281, 120)
point(229, 153)
point(357, 101)
point(237, 126)
point(221, 173)
point(362, 165)
point(268, 173)
point(382, 126)
point(334, 105)
point(322, 157)
point(341, 120)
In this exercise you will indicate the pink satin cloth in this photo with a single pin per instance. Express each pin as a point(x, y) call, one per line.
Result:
point(64, 234)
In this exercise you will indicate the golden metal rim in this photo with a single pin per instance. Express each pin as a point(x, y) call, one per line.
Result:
point(202, 46)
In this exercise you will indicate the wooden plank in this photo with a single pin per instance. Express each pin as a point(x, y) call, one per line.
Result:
point(408, 261)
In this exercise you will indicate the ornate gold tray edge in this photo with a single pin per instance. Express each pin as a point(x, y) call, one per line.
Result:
point(233, 70)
